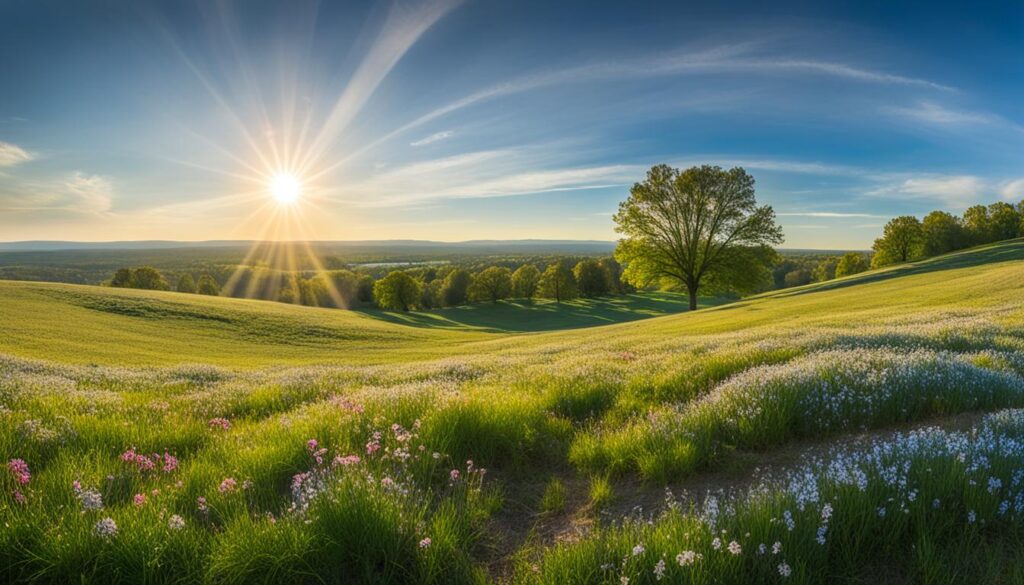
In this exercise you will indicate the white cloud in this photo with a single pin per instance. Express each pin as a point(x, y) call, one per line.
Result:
point(77, 193)
point(937, 115)
point(835, 214)
point(433, 138)
point(955, 191)
point(1012, 190)
point(12, 154)
point(90, 193)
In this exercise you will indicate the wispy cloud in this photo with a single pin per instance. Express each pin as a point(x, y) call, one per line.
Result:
point(955, 191)
point(12, 155)
point(91, 193)
point(1012, 190)
point(938, 115)
point(437, 136)
point(834, 214)
point(76, 193)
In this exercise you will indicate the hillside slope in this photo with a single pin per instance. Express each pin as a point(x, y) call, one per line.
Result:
point(82, 324)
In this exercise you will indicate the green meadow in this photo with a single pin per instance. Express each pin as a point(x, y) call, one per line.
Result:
point(860, 429)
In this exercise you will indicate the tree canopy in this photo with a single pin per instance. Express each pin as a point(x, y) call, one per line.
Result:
point(851, 263)
point(525, 281)
point(493, 284)
point(696, 228)
point(557, 282)
point(902, 240)
point(397, 291)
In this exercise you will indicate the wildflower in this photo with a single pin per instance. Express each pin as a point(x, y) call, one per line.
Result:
point(76, 486)
point(688, 557)
point(20, 497)
point(219, 423)
point(105, 528)
point(176, 522)
point(788, 517)
point(454, 475)
point(881, 511)
point(936, 503)
point(201, 504)
point(139, 499)
point(762, 549)
point(638, 549)
point(822, 530)
point(19, 469)
point(170, 462)
point(659, 569)
point(735, 548)
point(425, 543)
point(826, 512)
point(776, 548)
point(971, 517)
point(994, 484)
point(91, 499)
point(346, 460)
point(784, 569)
point(228, 485)
point(716, 543)
point(311, 445)
point(623, 580)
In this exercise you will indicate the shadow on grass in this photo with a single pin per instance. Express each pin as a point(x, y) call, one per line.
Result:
point(1009, 250)
point(542, 315)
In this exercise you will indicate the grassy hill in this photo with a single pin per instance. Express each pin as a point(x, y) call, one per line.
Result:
point(307, 445)
point(82, 324)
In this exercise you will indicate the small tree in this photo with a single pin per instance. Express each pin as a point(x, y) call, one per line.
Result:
point(397, 291)
point(699, 227)
point(186, 284)
point(456, 287)
point(851, 263)
point(798, 277)
point(826, 269)
point(493, 284)
point(902, 240)
point(558, 283)
point(148, 278)
point(122, 278)
point(208, 286)
point(942, 233)
point(977, 225)
point(525, 281)
point(364, 289)
point(591, 279)
point(613, 272)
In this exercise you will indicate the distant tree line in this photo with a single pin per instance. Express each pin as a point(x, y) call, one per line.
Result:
point(398, 289)
point(906, 238)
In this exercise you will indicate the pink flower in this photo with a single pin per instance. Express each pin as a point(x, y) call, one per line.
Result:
point(454, 474)
point(228, 485)
point(346, 460)
point(19, 497)
point(139, 499)
point(201, 503)
point(220, 423)
point(19, 469)
point(170, 462)
point(425, 542)
point(128, 455)
point(311, 445)
point(76, 485)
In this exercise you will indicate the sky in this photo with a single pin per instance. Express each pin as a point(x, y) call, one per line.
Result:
point(487, 119)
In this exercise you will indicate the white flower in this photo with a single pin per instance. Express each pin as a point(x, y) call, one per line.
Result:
point(105, 528)
point(176, 522)
point(776, 548)
point(784, 569)
point(716, 543)
point(638, 549)
point(659, 569)
point(971, 517)
point(688, 557)
point(735, 548)
point(91, 499)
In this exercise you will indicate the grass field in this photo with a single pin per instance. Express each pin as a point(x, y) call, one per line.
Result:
point(287, 444)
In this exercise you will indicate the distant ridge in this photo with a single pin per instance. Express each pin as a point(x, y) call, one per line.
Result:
point(55, 245)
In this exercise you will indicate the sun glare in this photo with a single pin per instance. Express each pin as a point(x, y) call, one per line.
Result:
point(285, 188)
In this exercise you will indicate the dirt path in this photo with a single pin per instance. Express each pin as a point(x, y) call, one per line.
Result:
point(519, 522)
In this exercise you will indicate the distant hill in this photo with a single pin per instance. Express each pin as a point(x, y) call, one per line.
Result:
point(545, 246)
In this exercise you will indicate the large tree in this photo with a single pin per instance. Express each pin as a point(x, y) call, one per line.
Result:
point(696, 228)
point(397, 291)
point(148, 277)
point(591, 278)
point(208, 286)
point(492, 284)
point(456, 287)
point(186, 284)
point(902, 240)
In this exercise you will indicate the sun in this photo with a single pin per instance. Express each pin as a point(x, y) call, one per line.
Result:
point(285, 188)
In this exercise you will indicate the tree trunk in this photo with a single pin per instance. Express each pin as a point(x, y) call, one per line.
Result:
point(692, 289)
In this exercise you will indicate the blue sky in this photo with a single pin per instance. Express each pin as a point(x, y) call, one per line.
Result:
point(479, 119)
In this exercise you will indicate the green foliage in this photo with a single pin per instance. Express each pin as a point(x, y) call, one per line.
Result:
point(902, 241)
point(553, 500)
point(456, 287)
point(186, 284)
point(493, 284)
point(851, 263)
point(525, 281)
point(602, 493)
point(798, 278)
point(699, 227)
point(826, 269)
point(591, 278)
point(558, 283)
point(942, 232)
point(208, 286)
point(144, 277)
point(397, 292)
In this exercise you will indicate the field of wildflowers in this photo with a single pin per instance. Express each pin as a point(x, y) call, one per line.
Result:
point(468, 468)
